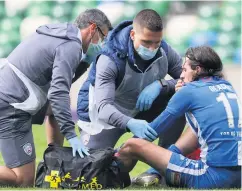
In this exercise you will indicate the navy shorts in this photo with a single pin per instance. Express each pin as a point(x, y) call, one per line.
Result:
point(16, 138)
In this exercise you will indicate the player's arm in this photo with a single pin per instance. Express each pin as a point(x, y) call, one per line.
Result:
point(174, 69)
point(106, 75)
point(67, 58)
point(179, 104)
point(188, 142)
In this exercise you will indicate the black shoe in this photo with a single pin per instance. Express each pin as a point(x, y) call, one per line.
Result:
point(146, 179)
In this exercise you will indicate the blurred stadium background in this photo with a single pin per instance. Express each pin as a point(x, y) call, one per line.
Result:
point(186, 23)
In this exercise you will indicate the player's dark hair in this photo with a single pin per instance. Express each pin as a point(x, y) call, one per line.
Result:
point(207, 59)
point(149, 19)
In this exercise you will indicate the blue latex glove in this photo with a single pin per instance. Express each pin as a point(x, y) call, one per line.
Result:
point(148, 95)
point(141, 129)
point(77, 146)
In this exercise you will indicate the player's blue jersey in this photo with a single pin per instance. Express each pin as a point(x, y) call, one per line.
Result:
point(213, 110)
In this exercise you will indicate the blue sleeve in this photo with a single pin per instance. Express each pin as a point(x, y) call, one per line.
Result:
point(162, 122)
point(179, 104)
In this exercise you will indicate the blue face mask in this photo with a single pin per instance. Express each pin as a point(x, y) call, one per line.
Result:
point(145, 53)
point(92, 52)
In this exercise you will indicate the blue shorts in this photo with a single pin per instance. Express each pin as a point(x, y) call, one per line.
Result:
point(184, 172)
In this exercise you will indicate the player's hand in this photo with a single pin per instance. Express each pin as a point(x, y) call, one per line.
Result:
point(141, 129)
point(179, 85)
point(78, 146)
point(148, 95)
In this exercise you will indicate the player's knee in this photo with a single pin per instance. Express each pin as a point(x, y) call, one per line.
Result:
point(25, 175)
point(134, 145)
point(25, 180)
point(127, 147)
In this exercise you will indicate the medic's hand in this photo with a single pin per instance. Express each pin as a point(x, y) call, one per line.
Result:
point(141, 129)
point(77, 146)
point(148, 95)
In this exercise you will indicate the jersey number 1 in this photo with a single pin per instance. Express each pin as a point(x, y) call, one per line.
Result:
point(224, 99)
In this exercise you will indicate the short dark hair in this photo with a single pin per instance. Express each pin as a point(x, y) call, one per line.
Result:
point(207, 59)
point(90, 16)
point(149, 19)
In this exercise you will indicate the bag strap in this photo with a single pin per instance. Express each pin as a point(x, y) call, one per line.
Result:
point(51, 147)
point(125, 178)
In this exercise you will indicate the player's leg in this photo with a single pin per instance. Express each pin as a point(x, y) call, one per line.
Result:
point(107, 138)
point(53, 134)
point(52, 130)
point(25, 174)
point(17, 147)
point(138, 149)
point(178, 170)
point(16, 176)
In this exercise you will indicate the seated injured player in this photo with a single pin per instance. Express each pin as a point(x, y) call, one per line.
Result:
point(213, 113)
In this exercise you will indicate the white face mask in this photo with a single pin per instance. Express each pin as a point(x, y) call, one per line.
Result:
point(94, 49)
point(92, 52)
point(83, 54)
point(146, 53)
